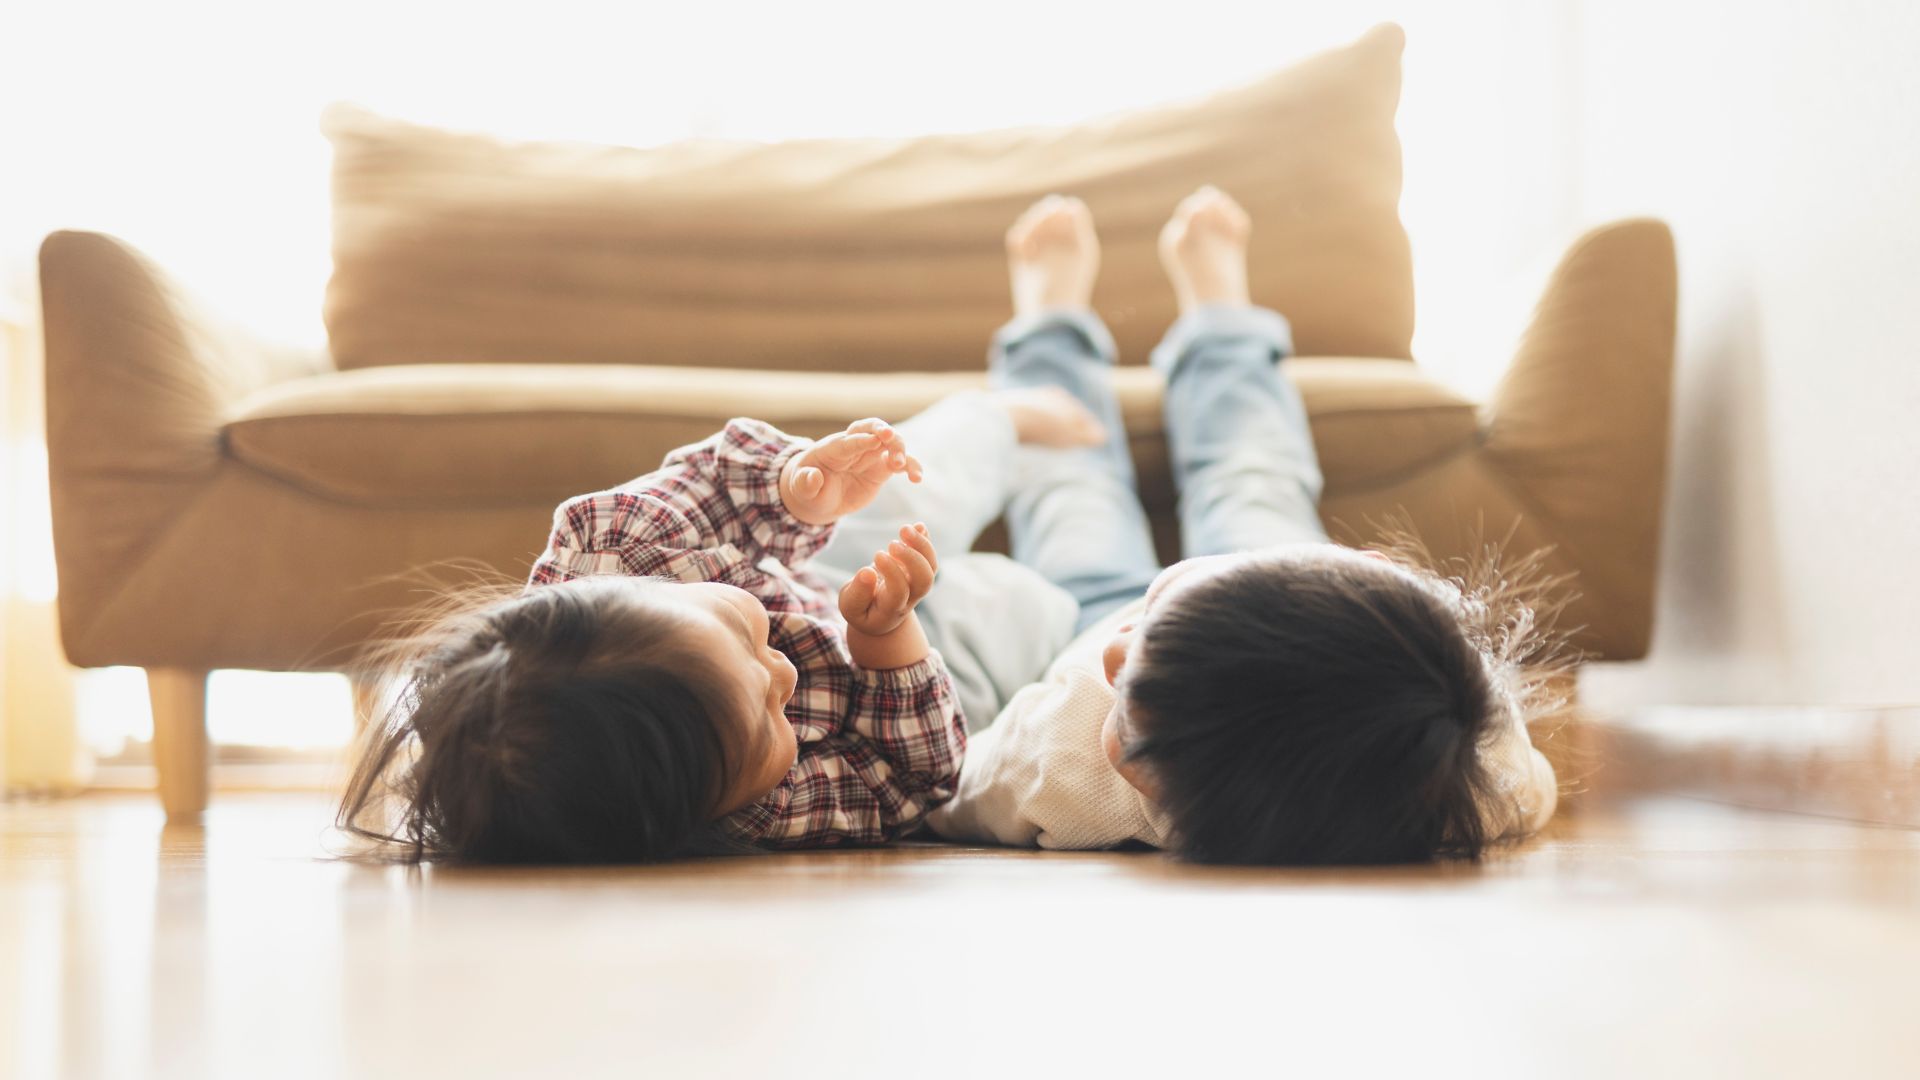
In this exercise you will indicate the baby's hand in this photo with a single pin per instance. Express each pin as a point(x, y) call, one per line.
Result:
point(844, 471)
point(882, 594)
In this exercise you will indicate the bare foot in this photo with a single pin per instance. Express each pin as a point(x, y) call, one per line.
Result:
point(1050, 416)
point(1204, 249)
point(1053, 255)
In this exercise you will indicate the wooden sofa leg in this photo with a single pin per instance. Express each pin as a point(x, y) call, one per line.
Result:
point(179, 697)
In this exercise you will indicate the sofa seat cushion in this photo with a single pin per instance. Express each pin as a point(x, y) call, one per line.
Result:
point(501, 434)
point(856, 254)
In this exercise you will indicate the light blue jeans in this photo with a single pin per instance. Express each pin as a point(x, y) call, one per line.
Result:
point(997, 624)
point(1243, 458)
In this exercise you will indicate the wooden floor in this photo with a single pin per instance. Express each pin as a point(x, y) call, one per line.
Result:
point(1656, 936)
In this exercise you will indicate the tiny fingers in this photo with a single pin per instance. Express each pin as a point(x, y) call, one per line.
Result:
point(875, 434)
point(919, 570)
point(808, 480)
point(895, 581)
point(914, 469)
point(845, 448)
point(888, 440)
point(917, 537)
point(858, 593)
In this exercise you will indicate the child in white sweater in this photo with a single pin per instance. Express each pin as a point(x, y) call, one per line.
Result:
point(1274, 698)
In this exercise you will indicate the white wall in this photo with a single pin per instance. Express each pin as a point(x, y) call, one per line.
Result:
point(1782, 140)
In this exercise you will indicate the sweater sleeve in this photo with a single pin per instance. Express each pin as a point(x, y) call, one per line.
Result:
point(710, 506)
point(1039, 776)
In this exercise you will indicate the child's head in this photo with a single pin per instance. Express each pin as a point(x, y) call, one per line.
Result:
point(1309, 704)
point(605, 719)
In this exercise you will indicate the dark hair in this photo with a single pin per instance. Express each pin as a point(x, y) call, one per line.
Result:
point(1323, 711)
point(560, 725)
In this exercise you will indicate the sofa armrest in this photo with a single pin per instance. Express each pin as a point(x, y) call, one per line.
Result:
point(139, 381)
point(1578, 426)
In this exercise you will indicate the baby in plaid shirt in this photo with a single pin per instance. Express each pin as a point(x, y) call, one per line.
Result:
point(844, 727)
point(677, 679)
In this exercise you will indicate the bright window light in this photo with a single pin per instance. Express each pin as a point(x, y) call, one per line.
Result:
point(27, 549)
point(287, 711)
point(111, 708)
point(270, 708)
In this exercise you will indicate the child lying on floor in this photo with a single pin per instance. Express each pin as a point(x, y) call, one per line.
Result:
point(1274, 698)
point(1283, 700)
point(675, 679)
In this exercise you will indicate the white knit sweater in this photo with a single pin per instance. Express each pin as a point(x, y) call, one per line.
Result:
point(1039, 776)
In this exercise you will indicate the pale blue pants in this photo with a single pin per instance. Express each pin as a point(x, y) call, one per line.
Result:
point(1243, 458)
point(1243, 462)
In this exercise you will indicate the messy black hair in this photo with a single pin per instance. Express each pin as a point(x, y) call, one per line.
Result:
point(558, 725)
point(1302, 710)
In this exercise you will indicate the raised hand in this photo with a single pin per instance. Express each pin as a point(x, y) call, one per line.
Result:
point(884, 592)
point(844, 471)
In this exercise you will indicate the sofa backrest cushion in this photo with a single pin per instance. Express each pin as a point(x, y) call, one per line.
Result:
point(851, 254)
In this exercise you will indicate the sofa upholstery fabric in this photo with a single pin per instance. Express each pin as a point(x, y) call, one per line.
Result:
point(448, 435)
point(856, 254)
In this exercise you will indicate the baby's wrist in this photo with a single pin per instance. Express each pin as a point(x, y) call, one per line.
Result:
point(903, 646)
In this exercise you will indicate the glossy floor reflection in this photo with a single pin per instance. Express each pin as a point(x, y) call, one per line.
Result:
point(1647, 937)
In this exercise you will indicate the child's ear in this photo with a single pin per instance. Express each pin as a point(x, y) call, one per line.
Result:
point(1135, 773)
point(1140, 776)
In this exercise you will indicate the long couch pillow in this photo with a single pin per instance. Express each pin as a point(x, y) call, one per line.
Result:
point(850, 254)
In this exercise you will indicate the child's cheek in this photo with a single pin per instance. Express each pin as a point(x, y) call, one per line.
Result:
point(1110, 737)
point(1114, 657)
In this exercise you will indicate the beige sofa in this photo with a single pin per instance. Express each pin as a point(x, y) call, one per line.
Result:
point(515, 323)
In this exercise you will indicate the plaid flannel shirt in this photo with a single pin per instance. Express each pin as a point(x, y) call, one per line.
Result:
point(878, 749)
